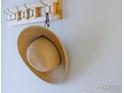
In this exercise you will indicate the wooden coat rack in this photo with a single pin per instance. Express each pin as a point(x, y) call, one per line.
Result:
point(31, 13)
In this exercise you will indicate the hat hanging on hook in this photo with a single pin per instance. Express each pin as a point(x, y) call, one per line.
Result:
point(43, 52)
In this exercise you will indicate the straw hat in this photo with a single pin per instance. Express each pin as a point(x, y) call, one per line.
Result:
point(43, 53)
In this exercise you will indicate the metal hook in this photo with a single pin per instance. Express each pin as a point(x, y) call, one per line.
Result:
point(47, 7)
point(25, 5)
point(19, 13)
point(30, 9)
point(44, 3)
point(10, 11)
point(17, 8)
point(47, 11)
point(9, 14)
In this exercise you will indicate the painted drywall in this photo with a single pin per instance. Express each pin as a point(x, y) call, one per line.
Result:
point(91, 33)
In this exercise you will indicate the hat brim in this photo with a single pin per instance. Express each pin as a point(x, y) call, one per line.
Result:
point(27, 36)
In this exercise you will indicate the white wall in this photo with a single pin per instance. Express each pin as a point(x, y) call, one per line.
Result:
point(91, 33)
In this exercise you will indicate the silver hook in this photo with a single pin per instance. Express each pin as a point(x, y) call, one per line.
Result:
point(44, 3)
point(17, 8)
point(19, 13)
point(47, 7)
point(9, 13)
point(25, 5)
point(30, 9)
point(12, 13)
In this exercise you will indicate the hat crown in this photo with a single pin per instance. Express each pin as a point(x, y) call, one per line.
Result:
point(43, 55)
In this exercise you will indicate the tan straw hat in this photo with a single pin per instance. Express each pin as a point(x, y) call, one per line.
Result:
point(43, 53)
